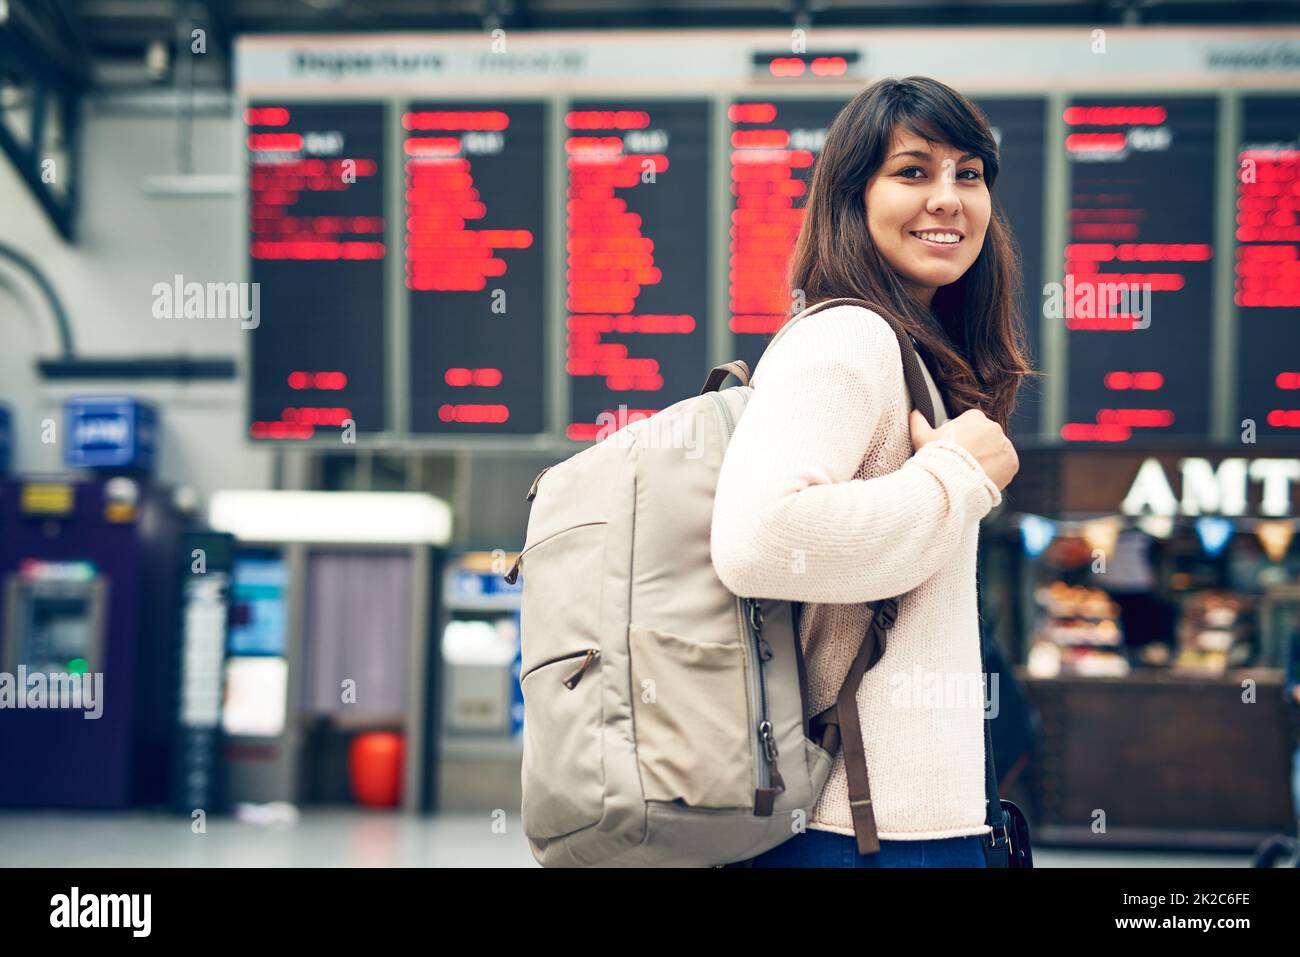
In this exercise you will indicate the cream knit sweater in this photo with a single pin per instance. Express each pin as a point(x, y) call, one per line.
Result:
point(821, 500)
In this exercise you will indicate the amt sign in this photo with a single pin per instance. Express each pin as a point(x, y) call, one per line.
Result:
point(1211, 490)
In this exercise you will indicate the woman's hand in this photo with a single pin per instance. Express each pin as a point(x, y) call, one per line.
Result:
point(977, 434)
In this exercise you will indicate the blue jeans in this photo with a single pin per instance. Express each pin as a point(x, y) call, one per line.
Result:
point(828, 849)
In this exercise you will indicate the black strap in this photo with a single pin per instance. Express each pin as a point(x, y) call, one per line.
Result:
point(996, 850)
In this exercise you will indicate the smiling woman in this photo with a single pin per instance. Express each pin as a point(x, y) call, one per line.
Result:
point(902, 212)
point(835, 494)
point(928, 210)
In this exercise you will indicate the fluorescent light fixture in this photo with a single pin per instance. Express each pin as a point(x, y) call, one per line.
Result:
point(190, 184)
point(382, 518)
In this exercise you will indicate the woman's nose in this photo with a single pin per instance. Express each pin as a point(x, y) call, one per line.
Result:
point(944, 197)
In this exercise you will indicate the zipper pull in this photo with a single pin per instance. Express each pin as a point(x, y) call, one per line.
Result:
point(571, 682)
point(532, 489)
point(764, 649)
point(513, 574)
point(769, 740)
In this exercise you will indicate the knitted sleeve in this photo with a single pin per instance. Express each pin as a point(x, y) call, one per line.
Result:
point(790, 521)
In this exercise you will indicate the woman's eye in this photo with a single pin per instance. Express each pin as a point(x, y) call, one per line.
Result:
point(975, 176)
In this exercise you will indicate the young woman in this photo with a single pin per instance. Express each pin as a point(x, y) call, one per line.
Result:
point(833, 493)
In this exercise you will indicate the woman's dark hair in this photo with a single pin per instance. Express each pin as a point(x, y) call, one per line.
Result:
point(973, 333)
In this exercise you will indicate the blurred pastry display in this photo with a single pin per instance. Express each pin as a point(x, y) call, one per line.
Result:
point(1078, 633)
point(1213, 633)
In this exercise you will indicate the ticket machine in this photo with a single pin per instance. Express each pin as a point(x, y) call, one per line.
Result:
point(88, 580)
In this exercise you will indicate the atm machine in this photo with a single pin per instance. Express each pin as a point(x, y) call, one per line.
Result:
point(88, 583)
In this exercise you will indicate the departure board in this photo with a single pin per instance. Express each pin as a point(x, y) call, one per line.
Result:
point(475, 266)
point(1137, 298)
point(1267, 269)
point(637, 259)
point(774, 144)
point(316, 248)
point(1019, 127)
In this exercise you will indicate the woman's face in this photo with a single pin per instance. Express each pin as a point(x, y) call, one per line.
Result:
point(928, 209)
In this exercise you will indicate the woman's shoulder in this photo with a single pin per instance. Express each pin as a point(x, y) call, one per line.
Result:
point(850, 336)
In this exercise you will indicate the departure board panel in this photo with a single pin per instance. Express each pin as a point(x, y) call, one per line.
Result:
point(1019, 127)
point(1137, 298)
point(1267, 269)
point(637, 259)
point(316, 248)
point(774, 144)
point(475, 266)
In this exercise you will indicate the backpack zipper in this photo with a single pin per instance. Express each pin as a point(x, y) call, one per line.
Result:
point(571, 682)
point(760, 652)
point(726, 412)
point(765, 750)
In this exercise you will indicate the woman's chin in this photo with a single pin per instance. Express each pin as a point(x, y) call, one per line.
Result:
point(933, 278)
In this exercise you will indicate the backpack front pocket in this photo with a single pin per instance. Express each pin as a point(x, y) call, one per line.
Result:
point(692, 716)
point(563, 776)
point(563, 593)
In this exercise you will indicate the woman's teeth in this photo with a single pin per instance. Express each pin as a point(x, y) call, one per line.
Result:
point(939, 237)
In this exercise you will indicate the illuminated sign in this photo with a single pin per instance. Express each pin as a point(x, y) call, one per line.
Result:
point(316, 248)
point(637, 252)
point(824, 65)
point(110, 432)
point(1137, 296)
point(475, 266)
point(774, 144)
point(1210, 490)
point(1267, 293)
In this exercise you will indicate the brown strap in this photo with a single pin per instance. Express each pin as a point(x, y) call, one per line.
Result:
point(765, 798)
point(737, 367)
point(841, 725)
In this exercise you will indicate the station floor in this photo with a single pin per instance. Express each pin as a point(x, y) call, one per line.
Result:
point(358, 838)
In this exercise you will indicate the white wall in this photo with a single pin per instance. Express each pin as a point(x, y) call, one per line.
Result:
point(125, 243)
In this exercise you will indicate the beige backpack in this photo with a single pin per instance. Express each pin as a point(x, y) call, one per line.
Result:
point(665, 719)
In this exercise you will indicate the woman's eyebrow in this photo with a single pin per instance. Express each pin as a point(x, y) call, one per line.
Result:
point(922, 154)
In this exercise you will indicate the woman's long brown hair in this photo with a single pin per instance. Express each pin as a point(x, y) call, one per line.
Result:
point(973, 334)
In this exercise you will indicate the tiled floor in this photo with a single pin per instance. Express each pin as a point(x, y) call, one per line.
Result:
point(351, 838)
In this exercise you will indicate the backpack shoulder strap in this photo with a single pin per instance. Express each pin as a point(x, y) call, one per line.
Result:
point(840, 725)
point(912, 375)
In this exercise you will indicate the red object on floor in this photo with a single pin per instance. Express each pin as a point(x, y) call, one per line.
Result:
point(375, 768)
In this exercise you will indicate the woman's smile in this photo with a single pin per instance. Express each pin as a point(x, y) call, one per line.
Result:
point(940, 240)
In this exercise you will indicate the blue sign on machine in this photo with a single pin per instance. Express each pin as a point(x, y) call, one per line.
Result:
point(117, 432)
point(6, 439)
point(516, 689)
